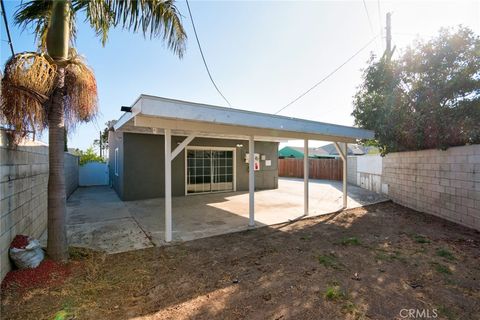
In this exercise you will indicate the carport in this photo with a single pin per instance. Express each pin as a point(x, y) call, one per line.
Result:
point(167, 117)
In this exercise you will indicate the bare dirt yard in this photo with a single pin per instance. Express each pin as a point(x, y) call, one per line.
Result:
point(376, 262)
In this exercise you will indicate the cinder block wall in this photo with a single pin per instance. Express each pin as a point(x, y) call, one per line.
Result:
point(442, 183)
point(71, 173)
point(23, 193)
point(352, 170)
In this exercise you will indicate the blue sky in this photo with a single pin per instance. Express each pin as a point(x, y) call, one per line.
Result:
point(261, 54)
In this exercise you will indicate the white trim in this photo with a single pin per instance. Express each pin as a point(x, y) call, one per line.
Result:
point(238, 121)
point(168, 186)
point(306, 164)
point(234, 164)
point(251, 182)
point(182, 146)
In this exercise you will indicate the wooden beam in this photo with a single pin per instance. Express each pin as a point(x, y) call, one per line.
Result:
point(182, 146)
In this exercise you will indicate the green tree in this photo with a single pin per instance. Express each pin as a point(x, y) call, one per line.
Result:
point(54, 87)
point(89, 155)
point(427, 98)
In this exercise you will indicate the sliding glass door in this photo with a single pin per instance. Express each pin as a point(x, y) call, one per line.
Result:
point(210, 170)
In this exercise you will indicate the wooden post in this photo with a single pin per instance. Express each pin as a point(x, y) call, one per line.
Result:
point(168, 185)
point(251, 181)
point(305, 176)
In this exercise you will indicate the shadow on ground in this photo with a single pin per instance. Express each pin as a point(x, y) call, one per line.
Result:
point(367, 262)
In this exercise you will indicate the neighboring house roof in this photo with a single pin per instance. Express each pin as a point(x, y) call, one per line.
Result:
point(297, 152)
point(353, 149)
point(152, 114)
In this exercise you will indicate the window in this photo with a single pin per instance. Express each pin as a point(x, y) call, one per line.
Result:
point(116, 162)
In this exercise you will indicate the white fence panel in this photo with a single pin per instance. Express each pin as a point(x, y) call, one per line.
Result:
point(93, 174)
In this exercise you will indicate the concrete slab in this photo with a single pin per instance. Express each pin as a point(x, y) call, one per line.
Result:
point(199, 216)
point(98, 219)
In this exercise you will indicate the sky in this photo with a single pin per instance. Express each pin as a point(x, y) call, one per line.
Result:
point(262, 55)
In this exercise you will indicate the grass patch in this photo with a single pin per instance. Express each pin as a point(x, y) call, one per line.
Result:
point(306, 237)
point(444, 253)
point(447, 313)
point(420, 239)
point(329, 261)
point(384, 255)
point(440, 268)
point(334, 293)
point(351, 241)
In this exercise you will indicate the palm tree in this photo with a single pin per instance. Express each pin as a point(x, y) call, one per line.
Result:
point(54, 88)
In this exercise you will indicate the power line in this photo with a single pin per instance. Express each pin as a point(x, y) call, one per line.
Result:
point(328, 76)
point(379, 11)
point(6, 27)
point(368, 16)
point(203, 56)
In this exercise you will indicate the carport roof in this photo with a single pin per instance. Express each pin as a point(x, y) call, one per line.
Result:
point(150, 114)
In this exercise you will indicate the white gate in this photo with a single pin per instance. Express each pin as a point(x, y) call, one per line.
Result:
point(93, 174)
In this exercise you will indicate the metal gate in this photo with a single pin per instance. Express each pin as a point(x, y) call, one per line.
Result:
point(93, 174)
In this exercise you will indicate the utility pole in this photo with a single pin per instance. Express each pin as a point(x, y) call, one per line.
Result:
point(389, 35)
point(100, 143)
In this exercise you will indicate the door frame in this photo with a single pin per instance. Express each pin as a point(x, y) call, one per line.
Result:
point(234, 164)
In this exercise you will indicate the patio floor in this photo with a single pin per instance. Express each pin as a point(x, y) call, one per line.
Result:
point(98, 219)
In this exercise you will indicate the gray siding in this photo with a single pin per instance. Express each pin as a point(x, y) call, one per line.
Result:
point(143, 162)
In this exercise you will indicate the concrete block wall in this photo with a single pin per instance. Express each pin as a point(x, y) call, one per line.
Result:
point(71, 173)
point(441, 183)
point(366, 172)
point(23, 193)
point(352, 170)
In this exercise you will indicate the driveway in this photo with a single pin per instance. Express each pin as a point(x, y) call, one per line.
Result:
point(98, 219)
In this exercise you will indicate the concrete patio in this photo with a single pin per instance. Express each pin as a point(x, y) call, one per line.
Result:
point(98, 219)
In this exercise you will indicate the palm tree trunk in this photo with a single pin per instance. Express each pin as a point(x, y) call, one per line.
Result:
point(57, 247)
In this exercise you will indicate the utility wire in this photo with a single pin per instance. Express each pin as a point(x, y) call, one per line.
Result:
point(203, 56)
point(6, 27)
point(368, 16)
point(328, 76)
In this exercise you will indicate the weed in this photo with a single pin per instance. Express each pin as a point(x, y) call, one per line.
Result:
point(334, 293)
point(420, 239)
point(306, 237)
point(389, 256)
point(440, 268)
point(329, 261)
point(447, 313)
point(444, 253)
point(352, 241)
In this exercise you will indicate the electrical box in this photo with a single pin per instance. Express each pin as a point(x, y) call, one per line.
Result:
point(256, 161)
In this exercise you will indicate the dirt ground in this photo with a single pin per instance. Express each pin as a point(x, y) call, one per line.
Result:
point(365, 263)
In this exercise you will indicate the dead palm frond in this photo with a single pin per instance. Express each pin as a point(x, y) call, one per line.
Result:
point(27, 84)
point(81, 102)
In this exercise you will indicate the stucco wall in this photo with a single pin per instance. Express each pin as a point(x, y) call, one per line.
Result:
point(442, 183)
point(143, 165)
point(115, 141)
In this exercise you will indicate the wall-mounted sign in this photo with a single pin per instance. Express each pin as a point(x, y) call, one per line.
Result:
point(268, 163)
point(256, 161)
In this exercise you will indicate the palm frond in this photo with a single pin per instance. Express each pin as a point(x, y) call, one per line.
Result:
point(36, 14)
point(81, 102)
point(27, 84)
point(154, 18)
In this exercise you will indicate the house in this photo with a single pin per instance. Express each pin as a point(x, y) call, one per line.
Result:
point(297, 152)
point(163, 147)
point(353, 150)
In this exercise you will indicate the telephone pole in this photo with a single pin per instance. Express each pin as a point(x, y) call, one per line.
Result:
point(100, 140)
point(389, 35)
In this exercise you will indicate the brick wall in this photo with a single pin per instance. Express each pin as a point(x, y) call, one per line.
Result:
point(23, 191)
point(442, 183)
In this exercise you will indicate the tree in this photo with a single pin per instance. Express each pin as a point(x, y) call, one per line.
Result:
point(428, 98)
point(54, 87)
point(102, 142)
point(89, 156)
